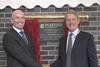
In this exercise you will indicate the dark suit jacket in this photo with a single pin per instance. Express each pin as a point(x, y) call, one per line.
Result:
point(19, 54)
point(83, 52)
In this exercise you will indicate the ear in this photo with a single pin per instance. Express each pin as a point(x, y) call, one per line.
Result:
point(78, 23)
point(11, 20)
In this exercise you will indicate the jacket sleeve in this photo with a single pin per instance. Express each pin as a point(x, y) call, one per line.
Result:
point(58, 62)
point(92, 53)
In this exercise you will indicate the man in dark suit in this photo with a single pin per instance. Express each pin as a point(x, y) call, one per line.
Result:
point(77, 49)
point(18, 44)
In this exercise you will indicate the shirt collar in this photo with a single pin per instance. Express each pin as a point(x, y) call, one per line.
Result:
point(75, 32)
point(16, 29)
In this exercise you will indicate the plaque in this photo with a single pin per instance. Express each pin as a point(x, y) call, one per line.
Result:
point(50, 32)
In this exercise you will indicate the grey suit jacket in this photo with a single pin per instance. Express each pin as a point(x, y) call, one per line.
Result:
point(19, 54)
point(83, 52)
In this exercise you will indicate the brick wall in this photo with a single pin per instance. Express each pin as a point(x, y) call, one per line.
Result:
point(92, 26)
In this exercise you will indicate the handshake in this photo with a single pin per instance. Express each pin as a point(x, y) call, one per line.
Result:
point(46, 65)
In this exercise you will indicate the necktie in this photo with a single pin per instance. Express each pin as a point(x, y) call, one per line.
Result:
point(68, 60)
point(24, 37)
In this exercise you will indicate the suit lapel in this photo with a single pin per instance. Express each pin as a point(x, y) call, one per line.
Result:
point(30, 43)
point(75, 45)
point(20, 40)
point(77, 40)
point(63, 49)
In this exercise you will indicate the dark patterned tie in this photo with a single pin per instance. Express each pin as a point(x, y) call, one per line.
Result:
point(68, 60)
point(24, 37)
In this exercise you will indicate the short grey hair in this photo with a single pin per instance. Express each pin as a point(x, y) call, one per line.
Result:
point(72, 12)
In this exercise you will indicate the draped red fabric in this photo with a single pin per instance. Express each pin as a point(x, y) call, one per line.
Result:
point(31, 27)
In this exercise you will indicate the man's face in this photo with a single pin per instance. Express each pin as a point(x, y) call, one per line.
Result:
point(18, 19)
point(72, 22)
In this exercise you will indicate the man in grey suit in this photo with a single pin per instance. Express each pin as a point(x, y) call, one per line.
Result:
point(77, 49)
point(18, 44)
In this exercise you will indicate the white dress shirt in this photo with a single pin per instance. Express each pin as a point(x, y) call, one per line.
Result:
point(17, 30)
point(73, 36)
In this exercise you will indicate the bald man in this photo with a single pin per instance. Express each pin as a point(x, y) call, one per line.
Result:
point(19, 47)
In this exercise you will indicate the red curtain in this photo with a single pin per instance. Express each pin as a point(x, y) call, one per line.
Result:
point(31, 26)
